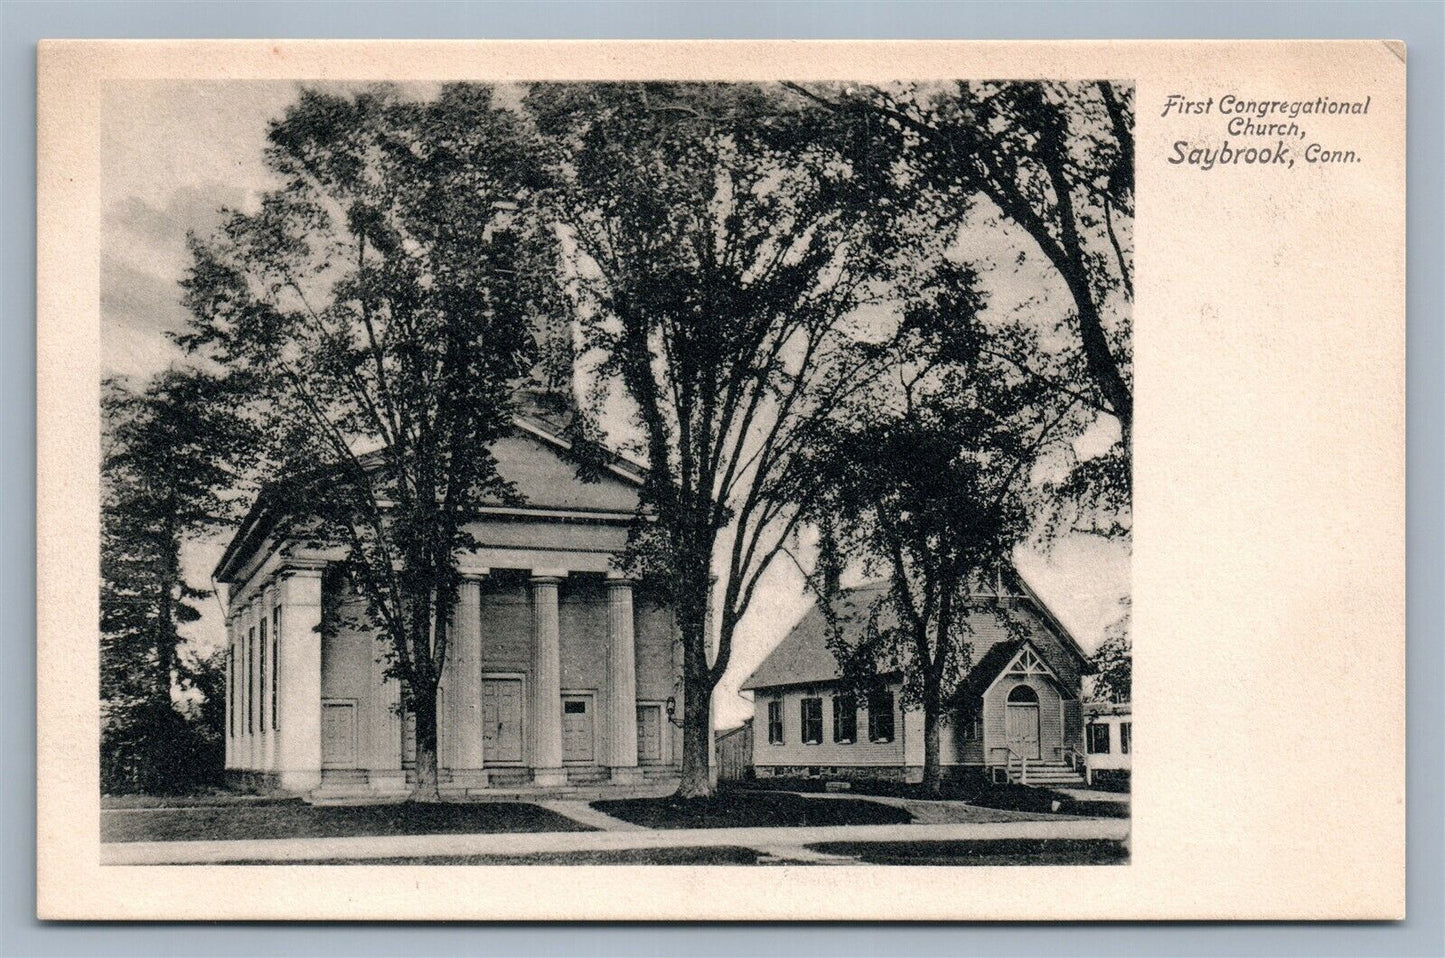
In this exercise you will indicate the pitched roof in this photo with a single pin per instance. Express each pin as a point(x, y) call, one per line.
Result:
point(803, 656)
point(544, 483)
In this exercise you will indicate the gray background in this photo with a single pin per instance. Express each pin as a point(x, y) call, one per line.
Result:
point(1420, 24)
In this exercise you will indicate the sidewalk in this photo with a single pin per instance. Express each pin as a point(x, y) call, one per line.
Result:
point(781, 842)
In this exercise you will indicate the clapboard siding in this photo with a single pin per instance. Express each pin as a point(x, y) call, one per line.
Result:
point(995, 705)
point(792, 751)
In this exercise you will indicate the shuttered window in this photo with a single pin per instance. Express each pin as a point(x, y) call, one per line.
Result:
point(812, 709)
point(775, 722)
point(845, 719)
point(251, 681)
point(231, 689)
point(275, 667)
point(880, 717)
point(263, 671)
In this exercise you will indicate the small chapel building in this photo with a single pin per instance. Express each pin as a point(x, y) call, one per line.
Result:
point(561, 672)
point(1017, 714)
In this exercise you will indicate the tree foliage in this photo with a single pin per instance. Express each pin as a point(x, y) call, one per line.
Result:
point(1113, 663)
point(166, 468)
point(376, 312)
point(720, 241)
point(926, 481)
point(1055, 161)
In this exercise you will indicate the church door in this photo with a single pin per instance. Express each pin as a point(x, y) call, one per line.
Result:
point(501, 720)
point(577, 729)
point(649, 734)
point(338, 734)
point(1023, 721)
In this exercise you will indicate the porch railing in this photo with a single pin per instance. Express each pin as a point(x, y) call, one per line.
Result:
point(1009, 756)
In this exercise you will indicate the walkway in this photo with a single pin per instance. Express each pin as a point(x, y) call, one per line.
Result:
point(585, 814)
point(778, 843)
point(1095, 795)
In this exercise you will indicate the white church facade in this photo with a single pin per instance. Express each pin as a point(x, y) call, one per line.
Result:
point(560, 673)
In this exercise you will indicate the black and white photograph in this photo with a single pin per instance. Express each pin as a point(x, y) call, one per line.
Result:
point(647, 473)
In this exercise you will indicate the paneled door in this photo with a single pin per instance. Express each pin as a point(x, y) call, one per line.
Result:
point(649, 734)
point(1022, 713)
point(338, 734)
point(577, 728)
point(501, 720)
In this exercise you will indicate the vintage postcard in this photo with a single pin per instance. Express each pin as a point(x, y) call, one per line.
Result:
point(721, 480)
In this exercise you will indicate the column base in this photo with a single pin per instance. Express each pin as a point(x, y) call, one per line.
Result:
point(468, 778)
point(299, 781)
point(548, 777)
point(388, 781)
point(626, 775)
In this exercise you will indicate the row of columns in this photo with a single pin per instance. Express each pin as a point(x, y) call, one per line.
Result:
point(273, 725)
point(291, 748)
point(547, 682)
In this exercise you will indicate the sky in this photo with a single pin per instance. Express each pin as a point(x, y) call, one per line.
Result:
point(175, 153)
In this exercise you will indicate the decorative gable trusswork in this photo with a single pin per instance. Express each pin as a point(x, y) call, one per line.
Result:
point(1027, 664)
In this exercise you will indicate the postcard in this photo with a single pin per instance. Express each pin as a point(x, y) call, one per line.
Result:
point(721, 480)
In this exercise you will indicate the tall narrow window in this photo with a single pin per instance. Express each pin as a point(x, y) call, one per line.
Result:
point(1098, 739)
point(880, 717)
point(275, 666)
point(845, 719)
point(251, 681)
point(231, 689)
point(812, 721)
point(1125, 734)
point(262, 653)
point(775, 722)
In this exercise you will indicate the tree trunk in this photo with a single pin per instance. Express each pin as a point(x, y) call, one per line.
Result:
point(696, 722)
point(425, 702)
point(932, 769)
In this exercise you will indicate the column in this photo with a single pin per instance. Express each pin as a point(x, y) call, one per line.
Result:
point(230, 690)
point(383, 722)
point(252, 751)
point(621, 683)
point(299, 748)
point(266, 675)
point(464, 684)
point(546, 683)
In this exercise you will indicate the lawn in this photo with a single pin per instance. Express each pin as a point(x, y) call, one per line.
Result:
point(1055, 851)
point(739, 809)
point(295, 819)
point(719, 855)
point(973, 789)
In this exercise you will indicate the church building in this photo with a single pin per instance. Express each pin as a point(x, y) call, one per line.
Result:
point(560, 673)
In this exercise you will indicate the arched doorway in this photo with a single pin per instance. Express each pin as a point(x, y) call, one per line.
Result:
point(1023, 721)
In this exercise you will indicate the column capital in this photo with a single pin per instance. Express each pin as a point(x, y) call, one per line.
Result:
point(618, 580)
point(548, 576)
point(301, 569)
point(475, 575)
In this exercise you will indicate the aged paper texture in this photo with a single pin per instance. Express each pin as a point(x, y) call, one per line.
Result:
point(1262, 276)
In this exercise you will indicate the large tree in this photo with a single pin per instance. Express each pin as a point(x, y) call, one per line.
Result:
point(926, 480)
point(376, 310)
point(720, 239)
point(167, 457)
point(1054, 163)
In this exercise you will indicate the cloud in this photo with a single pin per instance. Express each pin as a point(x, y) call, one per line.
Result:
point(143, 258)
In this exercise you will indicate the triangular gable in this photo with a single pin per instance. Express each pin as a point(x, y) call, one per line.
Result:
point(537, 463)
point(1028, 662)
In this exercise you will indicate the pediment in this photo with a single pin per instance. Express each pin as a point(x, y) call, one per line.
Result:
point(536, 463)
